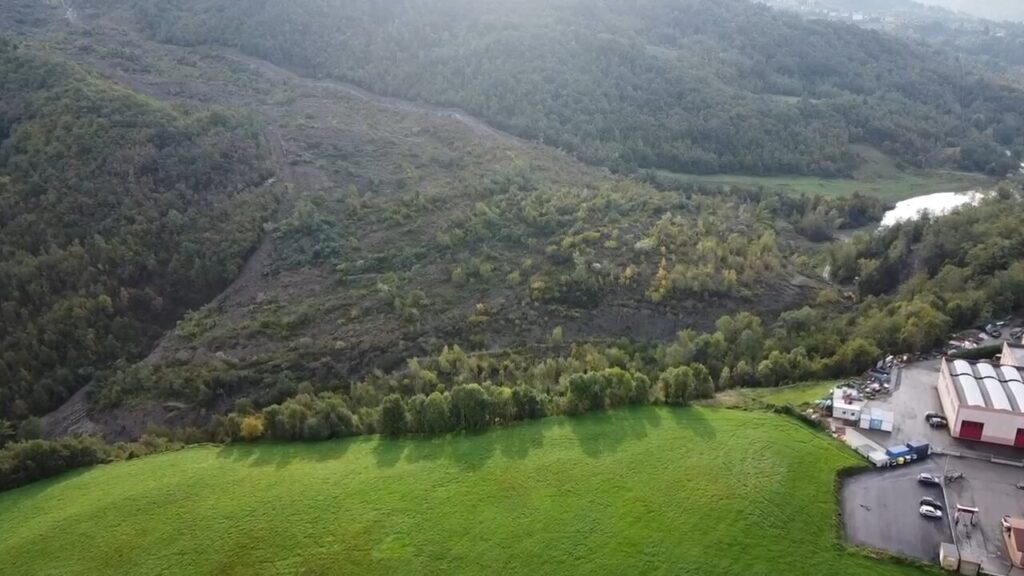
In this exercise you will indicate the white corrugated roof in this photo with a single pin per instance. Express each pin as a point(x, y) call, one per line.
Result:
point(997, 395)
point(972, 392)
point(987, 386)
point(1015, 383)
point(1011, 374)
point(962, 367)
point(991, 380)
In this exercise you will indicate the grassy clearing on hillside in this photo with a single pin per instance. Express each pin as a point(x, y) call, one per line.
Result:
point(894, 187)
point(645, 491)
point(794, 395)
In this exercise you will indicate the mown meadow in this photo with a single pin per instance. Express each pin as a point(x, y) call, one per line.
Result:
point(635, 491)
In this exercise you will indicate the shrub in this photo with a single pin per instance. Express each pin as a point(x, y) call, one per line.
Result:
point(469, 407)
point(979, 353)
point(677, 385)
point(393, 416)
point(252, 427)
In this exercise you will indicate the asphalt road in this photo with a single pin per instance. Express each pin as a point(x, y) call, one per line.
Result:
point(880, 511)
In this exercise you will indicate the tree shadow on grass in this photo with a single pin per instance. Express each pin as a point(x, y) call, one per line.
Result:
point(695, 420)
point(604, 433)
point(470, 451)
point(427, 449)
point(516, 442)
point(34, 491)
point(388, 451)
point(280, 455)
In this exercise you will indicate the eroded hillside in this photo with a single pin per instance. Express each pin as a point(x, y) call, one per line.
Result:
point(406, 227)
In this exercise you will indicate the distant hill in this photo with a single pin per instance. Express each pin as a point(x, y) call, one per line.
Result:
point(688, 86)
point(991, 9)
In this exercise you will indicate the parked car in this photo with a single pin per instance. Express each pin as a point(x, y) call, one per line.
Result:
point(1016, 333)
point(926, 501)
point(929, 512)
point(925, 478)
point(1005, 521)
point(993, 331)
point(938, 422)
point(930, 415)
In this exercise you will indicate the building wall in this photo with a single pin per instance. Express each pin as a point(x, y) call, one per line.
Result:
point(846, 412)
point(1000, 427)
point(1015, 541)
point(1012, 356)
point(949, 399)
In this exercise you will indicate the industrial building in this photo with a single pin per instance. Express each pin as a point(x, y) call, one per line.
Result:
point(983, 401)
point(1013, 354)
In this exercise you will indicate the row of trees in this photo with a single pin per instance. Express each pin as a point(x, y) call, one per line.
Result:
point(299, 397)
point(25, 462)
point(463, 407)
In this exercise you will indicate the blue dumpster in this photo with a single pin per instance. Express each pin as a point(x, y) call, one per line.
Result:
point(898, 451)
point(919, 449)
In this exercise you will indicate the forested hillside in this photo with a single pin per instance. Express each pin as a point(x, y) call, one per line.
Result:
point(429, 273)
point(971, 262)
point(689, 86)
point(116, 214)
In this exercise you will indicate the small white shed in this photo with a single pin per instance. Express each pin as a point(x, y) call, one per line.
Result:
point(846, 404)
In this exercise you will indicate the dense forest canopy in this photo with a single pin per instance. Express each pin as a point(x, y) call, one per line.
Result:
point(688, 86)
point(117, 213)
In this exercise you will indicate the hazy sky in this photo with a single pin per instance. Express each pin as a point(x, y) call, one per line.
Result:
point(994, 9)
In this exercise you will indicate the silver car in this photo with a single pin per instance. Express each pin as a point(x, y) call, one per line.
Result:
point(929, 512)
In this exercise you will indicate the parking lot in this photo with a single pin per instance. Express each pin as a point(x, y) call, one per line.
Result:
point(880, 510)
point(992, 489)
point(914, 395)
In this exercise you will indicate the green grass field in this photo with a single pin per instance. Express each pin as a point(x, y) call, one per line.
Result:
point(796, 395)
point(643, 491)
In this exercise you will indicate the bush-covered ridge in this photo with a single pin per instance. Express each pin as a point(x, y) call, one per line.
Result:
point(117, 213)
point(833, 337)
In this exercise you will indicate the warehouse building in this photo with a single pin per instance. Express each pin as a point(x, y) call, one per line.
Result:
point(983, 401)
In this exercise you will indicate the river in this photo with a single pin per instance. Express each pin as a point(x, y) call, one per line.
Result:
point(935, 204)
